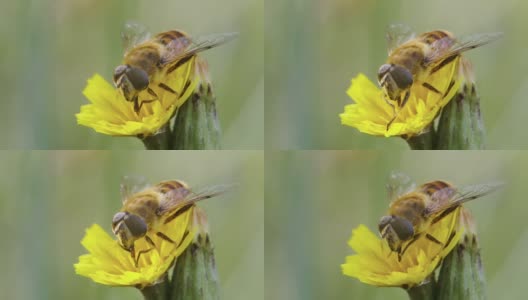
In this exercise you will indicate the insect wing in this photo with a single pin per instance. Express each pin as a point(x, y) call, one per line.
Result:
point(444, 48)
point(475, 191)
point(399, 184)
point(461, 196)
point(398, 34)
point(132, 184)
point(178, 198)
point(133, 34)
point(183, 47)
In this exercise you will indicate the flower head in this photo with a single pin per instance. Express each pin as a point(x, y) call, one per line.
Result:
point(111, 114)
point(371, 113)
point(375, 264)
point(108, 263)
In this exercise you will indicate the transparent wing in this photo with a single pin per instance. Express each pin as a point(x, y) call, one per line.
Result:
point(133, 34)
point(132, 184)
point(182, 197)
point(399, 184)
point(398, 34)
point(453, 198)
point(444, 48)
point(184, 47)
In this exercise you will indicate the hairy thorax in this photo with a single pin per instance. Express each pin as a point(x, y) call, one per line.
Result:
point(145, 57)
point(144, 205)
point(411, 207)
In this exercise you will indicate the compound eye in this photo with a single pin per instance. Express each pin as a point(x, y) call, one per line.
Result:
point(136, 225)
point(138, 78)
point(403, 228)
point(402, 77)
point(383, 70)
point(119, 71)
point(118, 217)
point(384, 221)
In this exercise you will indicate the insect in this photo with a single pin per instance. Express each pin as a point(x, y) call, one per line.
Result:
point(412, 60)
point(147, 60)
point(146, 207)
point(414, 209)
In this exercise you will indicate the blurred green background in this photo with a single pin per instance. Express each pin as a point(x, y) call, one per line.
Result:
point(315, 198)
point(50, 48)
point(48, 200)
point(314, 48)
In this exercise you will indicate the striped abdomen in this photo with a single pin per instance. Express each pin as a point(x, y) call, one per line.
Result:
point(434, 186)
point(171, 185)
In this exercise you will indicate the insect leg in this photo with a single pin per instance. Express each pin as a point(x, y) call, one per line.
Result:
point(433, 239)
point(443, 63)
point(444, 214)
point(394, 114)
point(149, 240)
point(167, 88)
point(431, 88)
point(139, 255)
point(401, 103)
point(133, 253)
point(449, 87)
point(450, 237)
point(150, 91)
point(179, 63)
point(415, 238)
point(137, 104)
point(405, 98)
point(177, 213)
point(164, 237)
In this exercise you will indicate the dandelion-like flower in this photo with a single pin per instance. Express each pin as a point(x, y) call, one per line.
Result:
point(111, 114)
point(108, 263)
point(375, 264)
point(371, 113)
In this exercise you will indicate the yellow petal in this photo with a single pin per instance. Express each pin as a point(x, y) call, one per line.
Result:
point(108, 263)
point(110, 113)
point(371, 113)
point(375, 264)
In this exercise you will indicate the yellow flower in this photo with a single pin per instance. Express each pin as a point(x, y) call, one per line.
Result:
point(371, 113)
point(111, 114)
point(375, 264)
point(108, 263)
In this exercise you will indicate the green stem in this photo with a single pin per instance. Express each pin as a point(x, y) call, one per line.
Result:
point(159, 141)
point(423, 141)
point(196, 125)
point(460, 126)
point(157, 291)
point(462, 273)
point(195, 276)
point(422, 292)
